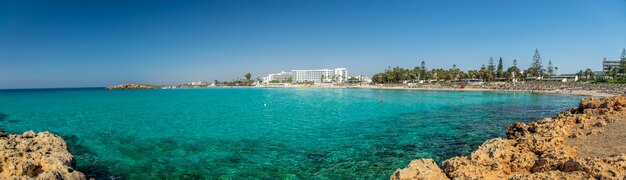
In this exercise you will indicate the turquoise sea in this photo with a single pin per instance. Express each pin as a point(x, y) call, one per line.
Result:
point(251, 133)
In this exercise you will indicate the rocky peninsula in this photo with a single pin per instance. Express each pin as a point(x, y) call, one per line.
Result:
point(588, 142)
point(133, 86)
point(35, 156)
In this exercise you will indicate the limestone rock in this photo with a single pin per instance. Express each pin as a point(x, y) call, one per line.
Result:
point(538, 150)
point(425, 169)
point(36, 156)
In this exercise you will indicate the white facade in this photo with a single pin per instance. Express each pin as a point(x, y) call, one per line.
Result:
point(199, 83)
point(360, 78)
point(339, 75)
point(281, 77)
point(608, 66)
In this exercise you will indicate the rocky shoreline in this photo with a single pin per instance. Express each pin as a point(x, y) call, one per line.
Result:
point(566, 146)
point(36, 156)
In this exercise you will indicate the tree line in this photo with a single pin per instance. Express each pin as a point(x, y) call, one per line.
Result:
point(491, 72)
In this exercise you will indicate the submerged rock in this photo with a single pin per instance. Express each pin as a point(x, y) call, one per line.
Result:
point(36, 156)
point(540, 149)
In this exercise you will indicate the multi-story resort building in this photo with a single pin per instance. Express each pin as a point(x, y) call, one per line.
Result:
point(608, 66)
point(337, 75)
point(280, 77)
point(613, 67)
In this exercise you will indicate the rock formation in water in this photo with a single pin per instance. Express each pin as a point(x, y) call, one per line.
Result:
point(566, 146)
point(133, 86)
point(35, 156)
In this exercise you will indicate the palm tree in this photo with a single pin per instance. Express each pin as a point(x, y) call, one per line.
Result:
point(556, 71)
point(588, 74)
point(614, 71)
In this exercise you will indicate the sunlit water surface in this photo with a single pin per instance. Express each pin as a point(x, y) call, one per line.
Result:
point(267, 133)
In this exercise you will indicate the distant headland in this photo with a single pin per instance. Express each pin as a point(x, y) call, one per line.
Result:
point(133, 86)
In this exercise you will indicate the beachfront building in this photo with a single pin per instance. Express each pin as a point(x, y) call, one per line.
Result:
point(359, 79)
point(199, 83)
point(279, 77)
point(338, 75)
point(601, 76)
point(612, 67)
point(563, 78)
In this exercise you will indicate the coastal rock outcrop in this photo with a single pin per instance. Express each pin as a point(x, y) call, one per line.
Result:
point(35, 156)
point(545, 149)
point(133, 86)
point(423, 169)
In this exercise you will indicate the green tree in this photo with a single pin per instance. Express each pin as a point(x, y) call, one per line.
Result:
point(486, 74)
point(589, 74)
point(536, 67)
point(491, 68)
point(614, 71)
point(248, 76)
point(455, 73)
point(550, 68)
point(556, 71)
point(513, 73)
point(580, 74)
point(417, 71)
point(500, 68)
point(377, 78)
point(473, 74)
point(440, 74)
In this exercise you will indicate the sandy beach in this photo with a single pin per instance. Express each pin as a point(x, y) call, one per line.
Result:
point(594, 93)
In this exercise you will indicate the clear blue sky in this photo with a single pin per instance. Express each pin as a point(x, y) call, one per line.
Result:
point(60, 43)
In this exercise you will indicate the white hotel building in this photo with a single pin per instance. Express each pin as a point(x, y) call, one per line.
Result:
point(281, 77)
point(338, 75)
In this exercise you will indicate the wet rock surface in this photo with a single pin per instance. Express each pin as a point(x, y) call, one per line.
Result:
point(552, 148)
point(35, 156)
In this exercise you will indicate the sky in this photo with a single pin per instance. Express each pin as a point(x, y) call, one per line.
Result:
point(95, 43)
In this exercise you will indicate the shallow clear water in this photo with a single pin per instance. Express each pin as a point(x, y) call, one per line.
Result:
point(298, 133)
